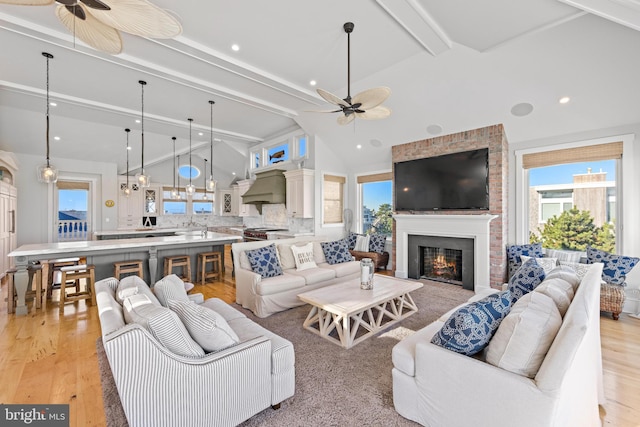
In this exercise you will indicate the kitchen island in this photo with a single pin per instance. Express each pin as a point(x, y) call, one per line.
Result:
point(103, 253)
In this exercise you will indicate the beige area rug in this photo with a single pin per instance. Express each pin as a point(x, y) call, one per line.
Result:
point(334, 386)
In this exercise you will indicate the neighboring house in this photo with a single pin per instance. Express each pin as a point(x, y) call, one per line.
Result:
point(588, 192)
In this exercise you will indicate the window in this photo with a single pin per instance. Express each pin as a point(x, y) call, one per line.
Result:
point(277, 154)
point(333, 199)
point(293, 148)
point(200, 205)
point(73, 209)
point(171, 206)
point(572, 197)
point(183, 171)
point(376, 207)
point(302, 146)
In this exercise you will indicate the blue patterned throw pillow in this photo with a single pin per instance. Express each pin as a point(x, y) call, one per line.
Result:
point(514, 252)
point(377, 242)
point(616, 267)
point(525, 280)
point(351, 240)
point(470, 328)
point(264, 261)
point(336, 252)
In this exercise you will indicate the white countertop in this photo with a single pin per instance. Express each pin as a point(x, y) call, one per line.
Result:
point(105, 245)
point(143, 231)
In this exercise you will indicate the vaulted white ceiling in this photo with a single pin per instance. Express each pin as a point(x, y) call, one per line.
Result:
point(451, 65)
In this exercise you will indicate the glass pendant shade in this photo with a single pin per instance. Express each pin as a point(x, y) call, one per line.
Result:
point(211, 184)
point(126, 191)
point(190, 189)
point(143, 180)
point(47, 173)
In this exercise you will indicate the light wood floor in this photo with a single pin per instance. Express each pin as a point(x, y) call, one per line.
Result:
point(48, 357)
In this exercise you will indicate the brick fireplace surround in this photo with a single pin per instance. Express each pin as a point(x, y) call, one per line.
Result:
point(493, 138)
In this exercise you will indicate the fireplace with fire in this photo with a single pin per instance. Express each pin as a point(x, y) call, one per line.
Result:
point(441, 258)
point(441, 264)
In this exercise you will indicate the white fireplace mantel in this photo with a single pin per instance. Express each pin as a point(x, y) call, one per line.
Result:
point(474, 227)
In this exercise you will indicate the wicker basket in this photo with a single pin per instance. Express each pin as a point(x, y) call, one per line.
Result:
point(612, 299)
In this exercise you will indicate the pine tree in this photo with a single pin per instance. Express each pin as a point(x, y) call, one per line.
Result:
point(574, 230)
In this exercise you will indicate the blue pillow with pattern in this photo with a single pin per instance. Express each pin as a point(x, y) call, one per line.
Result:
point(616, 267)
point(526, 279)
point(264, 261)
point(470, 328)
point(377, 242)
point(336, 252)
point(352, 238)
point(513, 255)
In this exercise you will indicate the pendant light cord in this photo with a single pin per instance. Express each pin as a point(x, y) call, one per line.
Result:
point(190, 167)
point(142, 84)
point(127, 131)
point(48, 56)
point(174, 161)
point(211, 137)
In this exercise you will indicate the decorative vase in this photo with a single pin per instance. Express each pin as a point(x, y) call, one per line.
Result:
point(366, 273)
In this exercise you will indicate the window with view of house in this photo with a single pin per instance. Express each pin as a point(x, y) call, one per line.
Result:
point(572, 197)
point(376, 203)
point(332, 198)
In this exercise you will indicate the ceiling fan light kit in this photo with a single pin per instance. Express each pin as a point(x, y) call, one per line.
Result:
point(99, 23)
point(366, 104)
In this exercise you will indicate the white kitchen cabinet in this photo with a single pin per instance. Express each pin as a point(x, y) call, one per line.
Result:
point(228, 205)
point(131, 208)
point(300, 185)
point(245, 209)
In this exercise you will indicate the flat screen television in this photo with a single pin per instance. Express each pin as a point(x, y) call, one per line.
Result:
point(450, 182)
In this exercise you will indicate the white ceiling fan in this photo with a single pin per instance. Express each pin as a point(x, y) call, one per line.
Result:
point(364, 105)
point(98, 23)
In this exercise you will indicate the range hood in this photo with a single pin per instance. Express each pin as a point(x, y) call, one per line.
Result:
point(269, 187)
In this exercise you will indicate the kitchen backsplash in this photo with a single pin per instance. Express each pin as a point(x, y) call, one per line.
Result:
point(177, 221)
point(275, 216)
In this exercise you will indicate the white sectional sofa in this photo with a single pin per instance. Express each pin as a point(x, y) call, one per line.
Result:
point(160, 385)
point(274, 294)
point(438, 387)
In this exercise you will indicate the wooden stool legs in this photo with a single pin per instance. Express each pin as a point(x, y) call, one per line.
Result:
point(212, 258)
point(76, 273)
point(183, 261)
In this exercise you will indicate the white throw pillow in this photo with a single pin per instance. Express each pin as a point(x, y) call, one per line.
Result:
point(547, 264)
point(169, 288)
point(318, 253)
point(362, 243)
point(565, 273)
point(578, 268)
point(135, 281)
point(208, 328)
point(303, 256)
point(285, 255)
point(564, 255)
point(525, 335)
point(125, 293)
point(165, 326)
point(132, 302)
point(559, 290)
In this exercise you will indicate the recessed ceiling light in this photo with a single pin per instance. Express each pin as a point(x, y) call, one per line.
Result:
point(53, 104)
point(233, 173)
point(434, 129)
point(358, 146)
point(235, 47)
point(137, 120)
point(57, 138)
point(522, 109)
point(564, 100)
point(129, 148)
point(200, 133)
point(312, 82)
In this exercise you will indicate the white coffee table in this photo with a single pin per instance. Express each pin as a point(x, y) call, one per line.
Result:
point(356, 314)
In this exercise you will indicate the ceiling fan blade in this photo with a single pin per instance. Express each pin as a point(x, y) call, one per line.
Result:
point(379, 112)
point(372, 97)
point(28, 2)
point(346, 119)
point(331, 98)
point(91, 31)
point(77, 11)
point(139, 17)
point(96, 4)
point(323, 111)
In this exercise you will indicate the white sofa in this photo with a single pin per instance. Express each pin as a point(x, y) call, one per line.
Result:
point(438, 387)
point(158, 387)
point(268, 296)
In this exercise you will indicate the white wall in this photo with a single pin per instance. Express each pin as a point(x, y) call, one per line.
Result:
point(35, 218)
point(630, 190)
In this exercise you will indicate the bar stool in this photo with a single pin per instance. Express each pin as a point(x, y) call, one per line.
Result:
point(183, 261)
point(54, 275)
point(205, 258)
point(76, 273)
point(35, 272)
point(128, 267)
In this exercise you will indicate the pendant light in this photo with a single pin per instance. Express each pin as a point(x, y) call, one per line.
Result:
point(47, 173)
point(127, 190)
point(211, 183)
point(205, 181)
point(143, 180)
point(175, 194)
point(179, 195)
point(190, 189)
